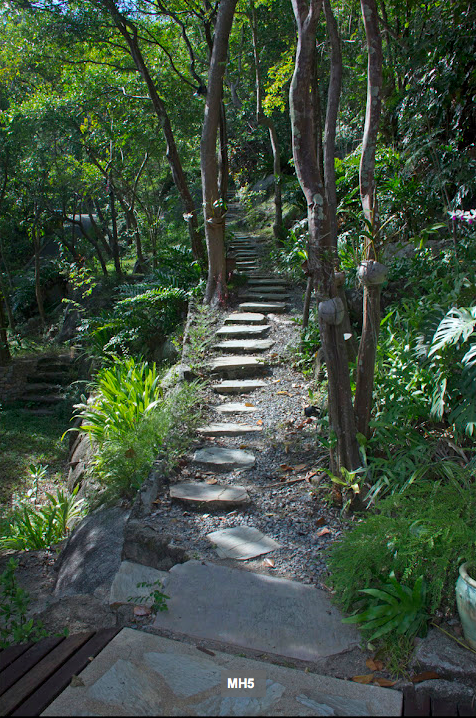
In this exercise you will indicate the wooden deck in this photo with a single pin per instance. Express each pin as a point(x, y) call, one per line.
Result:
point(416, 704)
point(32, 675)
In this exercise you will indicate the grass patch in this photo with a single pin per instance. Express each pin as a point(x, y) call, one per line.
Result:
point(27, 439)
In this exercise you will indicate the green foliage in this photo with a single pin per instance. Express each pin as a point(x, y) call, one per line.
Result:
point(410, 536)
point(393, 607)
point(14, 602)
point(158, 598)
point(28, 526)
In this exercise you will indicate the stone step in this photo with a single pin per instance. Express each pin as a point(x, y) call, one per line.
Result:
point(243, 330)
point(230, 429)
point(274, 307)
point(209, 494)
point(239, 387)
point(140, 673)
point(32, 387)
point(245, 318)
point(46, 377)
point(245, 345)
point(219, 458)
point(267, 281)
point(255, 611)
point(268, 290)
point(255, 297)
point(234, 366)
point(41, 398)
point(235, 407)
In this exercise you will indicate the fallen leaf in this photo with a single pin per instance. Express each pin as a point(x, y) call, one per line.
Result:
point(323, 532)
point(129, 453)
point(374, 665)
point(276, 381)
point(299, 467)
point(212, 481)
point(384, 682)
point(259, 422)
point(286, 393)
point(363, 679)
point(248, 403)
point(244, 446)
point(320, 522)
point(141, 611)
point(286, 467)
point(76, 682)
point(425, 676)
point(269, 562)
point(157, 501)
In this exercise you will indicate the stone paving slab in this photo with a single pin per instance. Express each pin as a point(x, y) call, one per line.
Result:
point(238, 386)
point(209, 494)
point(245, 318)
point(230, 429)
point(223, 459)
point(236, 365)
point(265, 281)
point(125, 583)
point(245, 345)
point(268, 288)
point(139, 673)
point(257, 296)
point(241, 543)
point(233, 407)
point(255, 611)
point(242, 330)
point(275, 307)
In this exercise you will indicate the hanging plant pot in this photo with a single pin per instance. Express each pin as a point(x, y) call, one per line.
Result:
point(371, 273)
point(331, 311)
point(466, 600)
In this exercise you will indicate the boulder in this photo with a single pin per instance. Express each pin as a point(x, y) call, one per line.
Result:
point(147, 545)
point(438, 652)
point(82, 453)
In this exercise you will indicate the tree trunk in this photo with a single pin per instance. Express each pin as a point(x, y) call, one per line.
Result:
point(320, 249)
point(114, 236)
point(213, 208)
point(129, 32)
point(38, 293)
point(371, 273)
point(273, 135)
point(5, 355)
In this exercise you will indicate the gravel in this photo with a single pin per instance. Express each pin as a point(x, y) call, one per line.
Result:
point(296, 515)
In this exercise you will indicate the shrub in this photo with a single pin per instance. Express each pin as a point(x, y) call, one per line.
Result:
point(14, 601)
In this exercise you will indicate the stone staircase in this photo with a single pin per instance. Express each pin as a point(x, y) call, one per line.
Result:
point(215, 608)
point(45, 386)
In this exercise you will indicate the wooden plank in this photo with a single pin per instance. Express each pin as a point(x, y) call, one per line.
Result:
point(10, 654)
point(41, 672)
point(442, 707)
point(49, 690)
point(467, 709)
point(27, 661)
point(415, 704)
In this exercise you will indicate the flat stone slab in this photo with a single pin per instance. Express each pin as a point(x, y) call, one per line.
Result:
point(139, 673)
point(275, 307)
point(241, 543)
point(198, 493)
point(268, 288)
point(242, 330)
point(245, 318)
point(245, 345)
point(256, 296)
point(233, 407)
point(124, 586)
point(256, 611)
point(239, 387)
point(229, 429)
point(268, 281)
point(222, 459)
point(236, 365)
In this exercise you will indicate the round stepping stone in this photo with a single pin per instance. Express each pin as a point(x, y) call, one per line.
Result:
point(242, 330)
point(245, 318)
point(275, 307)
point(201, 493)
point(238, 387)
point(221, 459)
point(228, 429)
point(234, 407)
point(237, 365)
point(245, 345)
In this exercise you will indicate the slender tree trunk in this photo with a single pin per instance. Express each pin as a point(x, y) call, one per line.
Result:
point(320, 249)
point(371, 273)
point(129, 32)
point(36, 247)
point(216, 290)
point(5, 355)
point(273, 135)
point(114, 235)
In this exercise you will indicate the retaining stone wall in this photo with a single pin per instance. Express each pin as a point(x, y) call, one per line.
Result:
point(13, 378)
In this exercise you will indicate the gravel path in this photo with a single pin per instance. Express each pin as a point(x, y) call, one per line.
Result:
point(297, 514)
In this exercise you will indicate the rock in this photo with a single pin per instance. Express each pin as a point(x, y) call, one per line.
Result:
point(228, 429)
point(278, 307)
point(78, 613)
point(211, 495)
point(80, 457)
point(238, 387)
point(221, 459)
point(233, 366)
point(155, 483)
point(451, 691)
point(245, 345)
point(245, 318)
point(242, 330)
point(125, 585)
point(148, 546)
point(69, 327)
point(241, 543)
point(439, 653)
point(233, 407)
point(92, 554)
point(177, 374)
